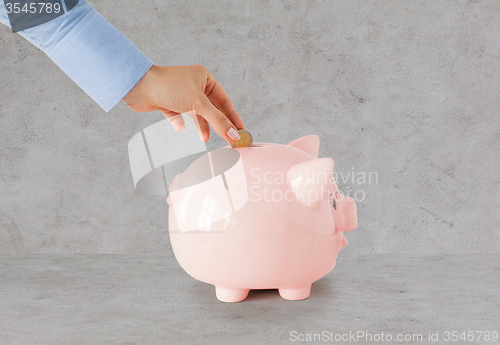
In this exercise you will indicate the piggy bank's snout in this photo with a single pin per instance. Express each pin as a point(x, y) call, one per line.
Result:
point(348, 216)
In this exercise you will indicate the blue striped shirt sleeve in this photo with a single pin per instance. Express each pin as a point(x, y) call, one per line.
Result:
point(91, 51)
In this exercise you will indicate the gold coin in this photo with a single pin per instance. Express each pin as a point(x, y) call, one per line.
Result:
point(246, 139)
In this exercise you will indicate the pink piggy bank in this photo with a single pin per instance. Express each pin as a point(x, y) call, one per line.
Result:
point(268, 216)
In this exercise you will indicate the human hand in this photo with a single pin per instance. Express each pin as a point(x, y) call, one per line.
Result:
point(181, 89)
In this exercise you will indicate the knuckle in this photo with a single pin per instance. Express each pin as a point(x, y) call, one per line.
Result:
point(200, 67)
point(222, 121)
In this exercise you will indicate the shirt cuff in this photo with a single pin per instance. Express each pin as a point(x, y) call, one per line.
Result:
point(100, 59)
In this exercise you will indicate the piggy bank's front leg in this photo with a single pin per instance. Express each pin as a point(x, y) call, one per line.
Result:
point(230, 294)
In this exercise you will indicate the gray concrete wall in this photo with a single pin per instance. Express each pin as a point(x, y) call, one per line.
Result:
point(407, 90)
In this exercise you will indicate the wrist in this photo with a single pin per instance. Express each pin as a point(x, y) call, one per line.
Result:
point(140, 91)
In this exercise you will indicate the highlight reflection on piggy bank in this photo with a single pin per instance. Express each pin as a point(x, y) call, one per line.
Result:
point(268, 216)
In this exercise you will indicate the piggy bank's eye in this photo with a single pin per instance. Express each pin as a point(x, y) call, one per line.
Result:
point(332, 200)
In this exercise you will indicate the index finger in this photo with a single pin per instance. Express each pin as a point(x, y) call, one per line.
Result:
point(218, 97)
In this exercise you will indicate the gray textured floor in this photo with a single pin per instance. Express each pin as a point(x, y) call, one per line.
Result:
point(148, 299)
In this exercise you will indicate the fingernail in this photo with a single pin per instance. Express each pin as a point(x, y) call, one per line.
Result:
point(179, 127)
point(178, 123)
point(201, 136)
point(233, 134)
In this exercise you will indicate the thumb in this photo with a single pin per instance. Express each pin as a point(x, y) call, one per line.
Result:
point(220, 123)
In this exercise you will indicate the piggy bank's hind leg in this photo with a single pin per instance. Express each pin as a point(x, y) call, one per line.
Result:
point(295, 294)
point(230, 295)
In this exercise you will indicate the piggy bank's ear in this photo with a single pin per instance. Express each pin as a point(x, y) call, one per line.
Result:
point(308, 144)
point(311, 180)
